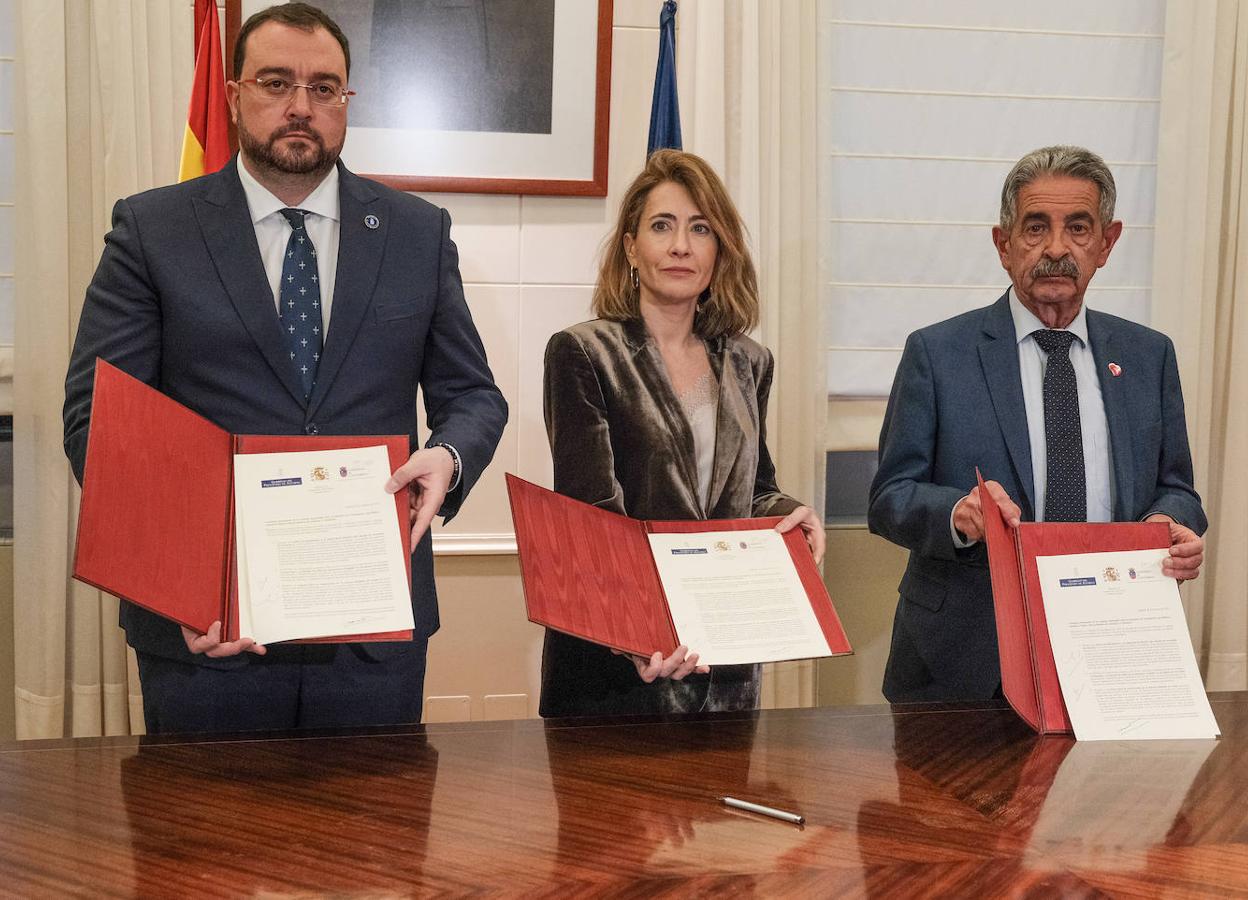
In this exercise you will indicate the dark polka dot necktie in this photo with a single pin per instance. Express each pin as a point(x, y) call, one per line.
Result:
point(299, 308)
point(1066, 494)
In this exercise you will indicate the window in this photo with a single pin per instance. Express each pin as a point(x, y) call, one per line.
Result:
point(924, 108)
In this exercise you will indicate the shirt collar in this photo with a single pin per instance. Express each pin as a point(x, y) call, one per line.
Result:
point(261, 203)
point(1025, 321)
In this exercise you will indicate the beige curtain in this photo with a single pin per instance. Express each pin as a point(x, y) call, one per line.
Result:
point(1200, 298)
point(748, 86)
point(102, 87)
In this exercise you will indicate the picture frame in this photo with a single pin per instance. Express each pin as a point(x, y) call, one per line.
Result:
point(484, 96)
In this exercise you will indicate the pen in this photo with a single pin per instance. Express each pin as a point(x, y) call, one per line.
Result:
point(780, 814)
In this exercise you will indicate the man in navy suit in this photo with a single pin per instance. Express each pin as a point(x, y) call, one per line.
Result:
point(195, 294)
point(1074, 414)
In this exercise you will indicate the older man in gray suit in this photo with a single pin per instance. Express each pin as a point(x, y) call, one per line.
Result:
point(1075, 415)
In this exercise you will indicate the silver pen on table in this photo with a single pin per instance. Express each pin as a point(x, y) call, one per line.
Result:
point(780, 814)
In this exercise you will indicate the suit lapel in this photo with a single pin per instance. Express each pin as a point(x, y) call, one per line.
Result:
point(998, 355)
point(360, 252)
point(228, 232)
point(1106, 350)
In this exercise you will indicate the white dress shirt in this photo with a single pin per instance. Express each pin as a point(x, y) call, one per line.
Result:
point(1098, 470)
point(273, 233)
point(322, 223)
point(1097, 461)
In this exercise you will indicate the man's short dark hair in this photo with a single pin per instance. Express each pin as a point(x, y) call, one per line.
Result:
point(303, 16)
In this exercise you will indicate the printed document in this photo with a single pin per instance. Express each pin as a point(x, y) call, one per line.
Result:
point(735, 597)
point(318, 545)
point(1123, 653)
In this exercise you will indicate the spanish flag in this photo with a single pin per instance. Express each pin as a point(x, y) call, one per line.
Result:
point(206, 144)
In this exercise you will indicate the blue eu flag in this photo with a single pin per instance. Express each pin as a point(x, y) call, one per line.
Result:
point(664, 108)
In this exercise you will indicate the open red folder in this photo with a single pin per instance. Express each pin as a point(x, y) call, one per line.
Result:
point(1028, 672)
point(156, 525)
point(590, 572)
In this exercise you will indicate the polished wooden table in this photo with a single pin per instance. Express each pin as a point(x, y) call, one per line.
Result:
point(902, 802)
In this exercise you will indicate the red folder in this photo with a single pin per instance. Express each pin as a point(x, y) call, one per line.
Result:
point(1028, 672)
point(590, 573)
point(156, 524)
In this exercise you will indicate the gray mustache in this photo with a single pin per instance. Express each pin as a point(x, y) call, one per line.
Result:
point(1056, 268)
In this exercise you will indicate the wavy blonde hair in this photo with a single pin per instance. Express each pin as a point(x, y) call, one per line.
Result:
point(730, 304)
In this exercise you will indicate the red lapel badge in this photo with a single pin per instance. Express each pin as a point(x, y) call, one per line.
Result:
point(1115, 369)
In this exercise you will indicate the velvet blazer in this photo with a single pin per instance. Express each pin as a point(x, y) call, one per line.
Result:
point(621, 441)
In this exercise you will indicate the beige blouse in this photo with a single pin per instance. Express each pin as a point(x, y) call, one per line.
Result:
point(700, 403)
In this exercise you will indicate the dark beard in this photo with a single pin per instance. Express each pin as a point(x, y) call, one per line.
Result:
point(294, 160)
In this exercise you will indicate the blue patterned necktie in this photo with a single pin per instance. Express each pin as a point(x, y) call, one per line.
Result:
point(300, 306)
point(1066, 493)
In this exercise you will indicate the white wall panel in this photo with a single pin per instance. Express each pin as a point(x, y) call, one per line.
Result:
point(561, 237)
point(994, 62)
point(8, 33)
point(925, 108)
point(638, 14)
point(496, 311)
point(7, 74)
point(486, 231)
point(978, 127)
point(7, 236)
point(7, 301)
point(861, 373)
point(1129, 16)
point(8, 188)
point(884, 316)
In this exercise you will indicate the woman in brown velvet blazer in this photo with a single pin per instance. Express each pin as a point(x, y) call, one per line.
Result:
point(657, 409)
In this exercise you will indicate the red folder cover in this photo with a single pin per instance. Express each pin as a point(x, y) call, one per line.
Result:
point(156, 524)
point(590, 573)
point(1028, 672)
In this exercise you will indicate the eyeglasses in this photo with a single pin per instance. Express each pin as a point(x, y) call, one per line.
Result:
point(322, 93)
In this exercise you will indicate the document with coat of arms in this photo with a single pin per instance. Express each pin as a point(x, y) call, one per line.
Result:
point(735, 597)
point(157, 523)
point(1123, 652)
point(319, 548)
point(731, 590)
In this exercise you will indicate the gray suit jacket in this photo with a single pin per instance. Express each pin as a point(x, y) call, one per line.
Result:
point(181, 301)
point(620, 440)
point(957, 404)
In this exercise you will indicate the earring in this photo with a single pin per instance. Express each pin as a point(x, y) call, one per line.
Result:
point(632, 276)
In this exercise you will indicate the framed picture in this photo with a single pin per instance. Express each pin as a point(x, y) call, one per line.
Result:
point(480, 96)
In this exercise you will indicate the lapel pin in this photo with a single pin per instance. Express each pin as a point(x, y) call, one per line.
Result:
point(1115, 369)
point(371, 221)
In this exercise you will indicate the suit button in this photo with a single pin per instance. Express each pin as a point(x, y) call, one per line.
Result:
point(311, 428)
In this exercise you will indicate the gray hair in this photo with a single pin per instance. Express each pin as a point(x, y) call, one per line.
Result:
point(1063, 159)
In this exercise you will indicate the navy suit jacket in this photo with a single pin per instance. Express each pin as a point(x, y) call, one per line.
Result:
point(181, 301)
point(957, 404)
